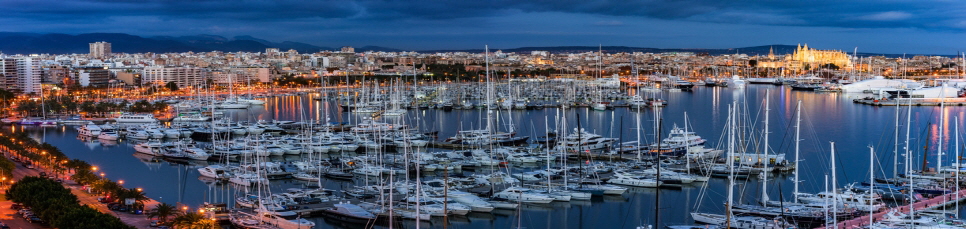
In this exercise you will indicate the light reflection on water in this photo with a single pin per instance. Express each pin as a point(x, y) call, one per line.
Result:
point(826, 117)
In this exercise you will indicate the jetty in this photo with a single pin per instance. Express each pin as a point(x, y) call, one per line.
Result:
point(929, 204)
point(913, 101)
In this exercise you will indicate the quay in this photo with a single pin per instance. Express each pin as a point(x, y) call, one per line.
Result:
point(914, 101)
point(930, 204)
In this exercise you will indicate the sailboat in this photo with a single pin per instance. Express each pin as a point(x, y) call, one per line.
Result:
point(729, 219)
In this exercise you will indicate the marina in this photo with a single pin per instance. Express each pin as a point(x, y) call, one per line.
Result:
point(617, 151)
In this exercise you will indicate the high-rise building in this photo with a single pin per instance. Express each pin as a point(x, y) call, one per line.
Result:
point(8, 74)
point(183, 76)
point(100, 49)
point(21, 75)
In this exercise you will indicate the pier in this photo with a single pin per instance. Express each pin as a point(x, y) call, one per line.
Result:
point(929, 204)
point(914, 101)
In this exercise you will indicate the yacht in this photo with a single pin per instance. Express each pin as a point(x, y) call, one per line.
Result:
point(518, 194)
point(350, 213)
point(136, 118)
point(215, 171)
point(153, 148)
point(631, 180)
point(286, 220)
point(108, 135)
point(89, 130)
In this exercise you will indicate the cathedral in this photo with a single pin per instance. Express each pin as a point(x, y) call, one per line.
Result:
point(813, 58)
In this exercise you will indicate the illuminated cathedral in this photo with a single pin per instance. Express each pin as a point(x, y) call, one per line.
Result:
point(813, 58)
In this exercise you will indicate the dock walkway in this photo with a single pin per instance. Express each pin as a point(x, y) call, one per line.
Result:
point(930, 204)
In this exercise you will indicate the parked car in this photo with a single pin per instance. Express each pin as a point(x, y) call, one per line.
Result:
point(16, 206)
point(154, 223)
point(35, 220)
point(4, 226)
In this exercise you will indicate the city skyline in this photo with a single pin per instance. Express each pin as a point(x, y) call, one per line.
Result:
point(927, 27)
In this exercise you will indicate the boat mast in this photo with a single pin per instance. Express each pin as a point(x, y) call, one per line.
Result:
point(835, 198)
point(871, 183)
point(956, 125)
point(942, 122)
point(895, 152)
point(729, 162)
point(798, 139)
point(764, 180)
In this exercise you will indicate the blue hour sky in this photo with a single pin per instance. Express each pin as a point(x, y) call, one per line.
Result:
point(885, 26)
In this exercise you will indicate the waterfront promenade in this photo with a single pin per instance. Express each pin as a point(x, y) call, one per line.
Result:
point(138, 221)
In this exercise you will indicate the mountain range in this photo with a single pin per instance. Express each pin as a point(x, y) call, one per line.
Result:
point(56, 43)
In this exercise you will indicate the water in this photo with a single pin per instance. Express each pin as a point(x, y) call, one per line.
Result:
point(826, 118)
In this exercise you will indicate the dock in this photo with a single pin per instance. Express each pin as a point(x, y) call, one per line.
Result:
point(929, 204)
point(913, 101)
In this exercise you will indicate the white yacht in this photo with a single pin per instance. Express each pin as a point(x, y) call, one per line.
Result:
point(215, 171)
point(518, 194)
point(153, 148)
point(631, 180)
point(108, 135)
point(286, 220)
point(89, 130)
point(136, 118)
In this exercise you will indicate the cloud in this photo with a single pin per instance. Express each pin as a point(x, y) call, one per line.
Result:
point(887, 16)
point(609, 23)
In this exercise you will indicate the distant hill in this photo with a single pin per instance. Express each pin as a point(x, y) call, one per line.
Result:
point(55, 43)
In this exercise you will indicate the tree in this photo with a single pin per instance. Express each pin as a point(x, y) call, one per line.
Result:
point(193, 220)
point(172, 86)
point(163, 211)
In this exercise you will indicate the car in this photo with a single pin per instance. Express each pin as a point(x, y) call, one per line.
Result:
point(43, 174)
point(35, 220)
point(122, 208)
point(154, 223)
point(16, 206)
point(4, 226)
point(29, 166)
point(163, 227)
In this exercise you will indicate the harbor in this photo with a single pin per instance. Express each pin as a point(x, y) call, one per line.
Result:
point(443, 149)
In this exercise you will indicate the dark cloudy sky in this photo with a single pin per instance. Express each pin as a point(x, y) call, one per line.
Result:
point(885, 26)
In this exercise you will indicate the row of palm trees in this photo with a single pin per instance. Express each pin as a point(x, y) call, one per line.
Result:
point(181, 219)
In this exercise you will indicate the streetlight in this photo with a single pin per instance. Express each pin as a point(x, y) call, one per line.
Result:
point(94, 168)
point(140, 190)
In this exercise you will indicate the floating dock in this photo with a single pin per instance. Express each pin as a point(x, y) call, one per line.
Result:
point(930, 204)
point(912, 101)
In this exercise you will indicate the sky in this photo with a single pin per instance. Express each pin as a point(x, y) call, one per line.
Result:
point(884, 26)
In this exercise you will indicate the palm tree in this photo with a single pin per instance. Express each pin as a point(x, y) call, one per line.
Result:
point(193, 220)
point(163, 211)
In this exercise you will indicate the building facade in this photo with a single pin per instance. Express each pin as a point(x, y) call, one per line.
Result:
point(100, 49)
point(182, 76)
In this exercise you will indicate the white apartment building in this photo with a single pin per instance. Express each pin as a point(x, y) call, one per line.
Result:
point(20, 74)
point(183, 76)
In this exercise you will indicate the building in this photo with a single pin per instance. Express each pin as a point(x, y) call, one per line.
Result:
point(805, 57)
point(129, 78)
point(57, 74)
point(93, 77)
point(21, 75)
point(348, 49)
point(100, 49)
point(182, 76)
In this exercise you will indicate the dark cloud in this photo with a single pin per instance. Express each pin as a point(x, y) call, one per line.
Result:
point(317, 21)
point(926, 14)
